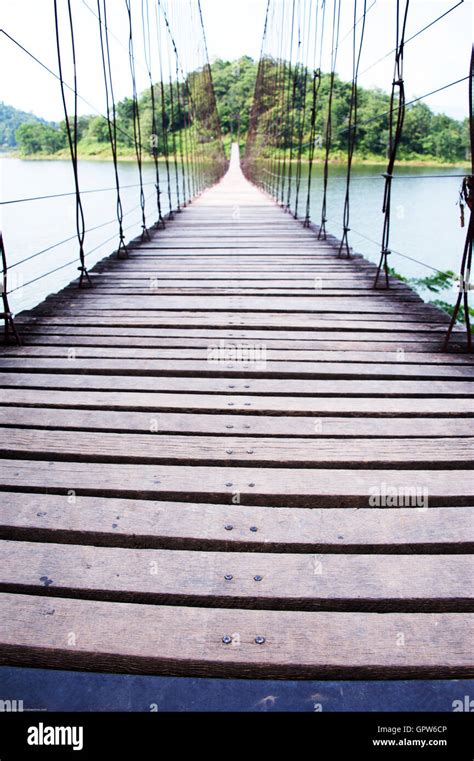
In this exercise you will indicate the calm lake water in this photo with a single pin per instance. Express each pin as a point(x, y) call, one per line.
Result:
point(425, 217)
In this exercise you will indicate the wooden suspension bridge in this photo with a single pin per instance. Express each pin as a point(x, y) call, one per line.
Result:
point(234, 457)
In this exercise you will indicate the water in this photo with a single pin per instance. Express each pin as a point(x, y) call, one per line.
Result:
point(425, 219)
point(32, 226)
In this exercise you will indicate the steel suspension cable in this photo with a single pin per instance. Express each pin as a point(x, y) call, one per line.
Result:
point(395, 134)
point(352, 124)
point(334, 44)
point(111, 117)
point(164, 116)
point(72, 135)
point(302, 122)
point(466, 261)
point(314, 104)
point(154, 130)
point(137, 137)
point(288, 90)
point(293, 105)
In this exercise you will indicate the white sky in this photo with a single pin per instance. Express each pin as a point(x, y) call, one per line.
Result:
point(234, 28)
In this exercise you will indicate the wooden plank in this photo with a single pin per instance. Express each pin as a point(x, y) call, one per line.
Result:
point(305, 487)
point(35, 631)
point(232, 425)
point(322, 406)
point(248, 320)
point(346, 355)
point(237, 368)
point(233, 528)
point(247, 386)
point(277, 347)
point(90, 446)
point(242, 580)
point(310, 339)
point(122, 291)
point(316, 303)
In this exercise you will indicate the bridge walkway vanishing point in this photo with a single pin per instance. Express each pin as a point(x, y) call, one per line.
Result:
point(168, 507)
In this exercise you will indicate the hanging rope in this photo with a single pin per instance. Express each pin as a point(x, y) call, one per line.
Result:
point(352, 125)
point(279, 120)
point(137, 137)
point(334, 47)
point(466, 261)
point(288, 99)
point(173, 137)
point(111, 118)
point(6, 315)
point(293, 107)
point(72, 136)
point(154, 129)
point(302, 112)
point(395, 133)
point(164, 115)
point(314, 104)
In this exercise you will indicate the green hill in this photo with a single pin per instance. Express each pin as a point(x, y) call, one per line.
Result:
point(427, 136)
point(10, 119)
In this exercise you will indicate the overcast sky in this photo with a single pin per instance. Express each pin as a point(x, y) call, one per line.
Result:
point(234, 28)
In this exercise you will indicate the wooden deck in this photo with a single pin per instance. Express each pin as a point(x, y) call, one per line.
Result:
point(169, 508)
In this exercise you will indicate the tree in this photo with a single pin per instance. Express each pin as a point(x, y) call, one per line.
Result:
point(39, 138)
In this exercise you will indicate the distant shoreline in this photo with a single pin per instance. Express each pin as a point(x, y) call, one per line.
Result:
point(337, 161)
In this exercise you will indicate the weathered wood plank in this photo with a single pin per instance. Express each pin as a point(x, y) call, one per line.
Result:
point(36, 631)
point(178, 525)
point(247, 386)
point(87, 446)
point(234, 367)
point(305, 487)
point(243, 580)
point(322, 406)
point(278, 347)
point(231, 425)
point(346, 355)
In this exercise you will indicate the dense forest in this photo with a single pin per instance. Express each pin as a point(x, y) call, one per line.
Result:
point(10, 120)
point(426, 135)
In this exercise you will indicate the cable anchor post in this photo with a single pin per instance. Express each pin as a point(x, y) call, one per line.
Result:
point(345, 242)
point(322, 235)
point(7, 314)
point(383, 264)
point(462, 301)
point(84, 276)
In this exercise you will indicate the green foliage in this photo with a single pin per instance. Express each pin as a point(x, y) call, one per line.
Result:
point(426, 135)
point(449, 308)
point(10, 120)
point(440, 281)
point(234, 83)
point(36, 138)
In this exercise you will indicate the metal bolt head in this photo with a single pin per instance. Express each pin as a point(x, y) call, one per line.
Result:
point(228, 484)
point(253, 528)
point(226, 639)
point(228, 527)
point(258, 577)
point(228, 577)
point(259, 640)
